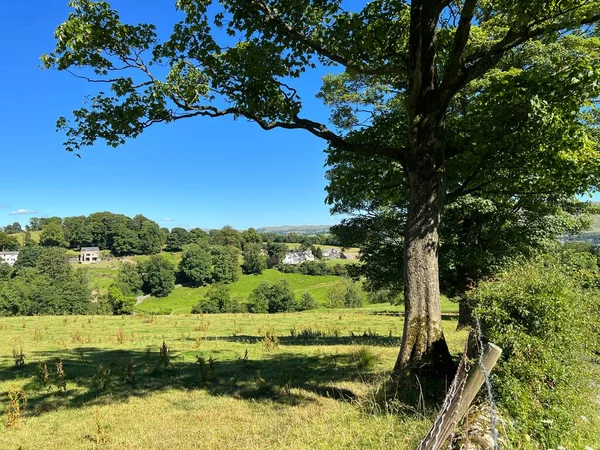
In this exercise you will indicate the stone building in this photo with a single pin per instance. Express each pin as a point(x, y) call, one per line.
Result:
point(89, 255)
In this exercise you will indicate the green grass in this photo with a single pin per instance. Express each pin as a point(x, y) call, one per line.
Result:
point(172, 257)
point(301, 394)
point(182, 299)
point(343, 262)
point(35, 237)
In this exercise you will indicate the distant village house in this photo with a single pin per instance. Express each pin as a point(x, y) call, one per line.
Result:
point(331, 253)
point(298, 257)
point(9, 258)
point(89, 255)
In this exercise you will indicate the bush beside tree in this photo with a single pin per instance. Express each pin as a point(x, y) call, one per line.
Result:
point(542, 316)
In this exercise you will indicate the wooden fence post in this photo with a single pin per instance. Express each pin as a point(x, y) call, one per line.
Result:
point(463, 390)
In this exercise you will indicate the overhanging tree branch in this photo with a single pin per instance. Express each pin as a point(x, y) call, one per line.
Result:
point(286, 29)
point(479, 63)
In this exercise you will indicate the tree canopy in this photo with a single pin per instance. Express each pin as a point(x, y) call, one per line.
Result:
point(410, 69)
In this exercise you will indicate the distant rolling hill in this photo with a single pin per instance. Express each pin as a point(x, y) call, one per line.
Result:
point(300, 229)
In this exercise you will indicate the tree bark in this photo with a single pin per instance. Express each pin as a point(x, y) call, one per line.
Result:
point(423, 342)
point(466, 280)
point(465, 314)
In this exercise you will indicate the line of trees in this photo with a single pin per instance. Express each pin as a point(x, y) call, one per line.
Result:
point(139, 235)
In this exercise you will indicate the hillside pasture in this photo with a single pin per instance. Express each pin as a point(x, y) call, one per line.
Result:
point(304, 392)
point(182, 299)
point(35, 237)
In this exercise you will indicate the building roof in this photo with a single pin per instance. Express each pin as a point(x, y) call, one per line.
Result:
point(90, 249)
point(9, 253)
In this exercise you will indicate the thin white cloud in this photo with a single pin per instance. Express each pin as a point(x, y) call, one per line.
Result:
point(167, 219)
point(3, 206)
point(22, 211)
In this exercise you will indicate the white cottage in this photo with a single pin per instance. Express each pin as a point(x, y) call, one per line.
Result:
point(9, 258)
point(298, 257)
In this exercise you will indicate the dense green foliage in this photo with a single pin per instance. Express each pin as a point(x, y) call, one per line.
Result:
point(48, 286)
point(158, 276)
point(254, 259)
point(218, 300)
point(226, 266)
point(346, 295)
point(178, 238)
point(306, 302)
point(544, 317)
point(8, 243)
point(53, 235)
point(13, 228)
point(314, 268)
point(129, 279)
point(119, 303)
point(196, 265)
point(272, 298)
point(118, 233)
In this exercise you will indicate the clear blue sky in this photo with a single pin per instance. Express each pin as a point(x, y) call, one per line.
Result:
point(201, 172)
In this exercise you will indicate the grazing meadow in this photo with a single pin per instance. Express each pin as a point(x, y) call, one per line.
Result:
point(294, 380)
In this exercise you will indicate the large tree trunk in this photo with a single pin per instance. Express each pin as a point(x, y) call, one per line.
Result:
point(423, 343)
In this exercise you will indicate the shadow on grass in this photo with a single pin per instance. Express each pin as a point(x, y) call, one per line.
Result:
point(358, 339)
point(445, 315)
point(272, 379)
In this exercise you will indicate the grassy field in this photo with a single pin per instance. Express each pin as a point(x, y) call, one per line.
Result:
point(35, 236)
point(183, 298)
point(249, 393)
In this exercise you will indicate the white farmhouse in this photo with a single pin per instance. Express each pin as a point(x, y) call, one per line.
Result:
point(298, 257)
point(89, 255)
point(9, 258)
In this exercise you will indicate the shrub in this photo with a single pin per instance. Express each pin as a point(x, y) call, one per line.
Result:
point(287, 268)
point(206, 306)
point(217, 300)
point(335, 296)
point(384, 296)
point(539, 316)
point(281, 298)
point(101, 379)
point(272, 298)
point(129, 279)
point(313, 268)
point(338, 270)
point(306, 302)
point(352, 298)
point(258, 301)
point(118, 302)
point(17, 401)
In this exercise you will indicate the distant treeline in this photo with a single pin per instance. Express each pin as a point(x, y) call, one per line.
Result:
point(122, 235)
